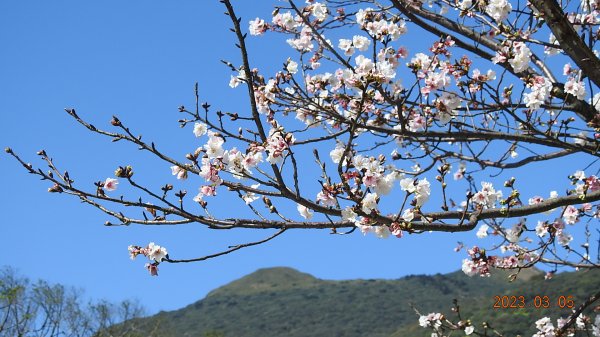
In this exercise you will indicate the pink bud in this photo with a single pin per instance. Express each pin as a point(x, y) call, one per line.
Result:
point(152, 269)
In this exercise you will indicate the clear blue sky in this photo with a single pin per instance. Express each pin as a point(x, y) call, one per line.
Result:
point(139, 60)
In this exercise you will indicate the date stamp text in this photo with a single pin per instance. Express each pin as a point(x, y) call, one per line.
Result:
point(537, 302)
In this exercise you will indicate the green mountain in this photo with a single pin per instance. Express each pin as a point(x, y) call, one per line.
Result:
point(285, 302)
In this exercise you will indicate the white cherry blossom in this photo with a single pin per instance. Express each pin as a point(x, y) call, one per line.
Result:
point(482, 232)
point(305, 212)
point(200, 129)
point(498, 9)
point(369, 203)
point(156, 252)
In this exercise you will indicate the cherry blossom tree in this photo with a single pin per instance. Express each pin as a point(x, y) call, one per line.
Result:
point(406, 137)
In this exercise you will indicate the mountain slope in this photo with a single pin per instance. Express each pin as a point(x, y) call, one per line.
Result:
point(285, 302)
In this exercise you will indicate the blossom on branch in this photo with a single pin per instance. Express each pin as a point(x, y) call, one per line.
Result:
point(110, 184)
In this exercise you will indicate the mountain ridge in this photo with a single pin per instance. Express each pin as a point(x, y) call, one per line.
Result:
point(282, 301)
point(268, 279)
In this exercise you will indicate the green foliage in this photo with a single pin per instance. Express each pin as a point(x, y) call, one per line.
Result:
point(284, 302)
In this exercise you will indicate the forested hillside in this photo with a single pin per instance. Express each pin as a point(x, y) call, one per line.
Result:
point(285, 302)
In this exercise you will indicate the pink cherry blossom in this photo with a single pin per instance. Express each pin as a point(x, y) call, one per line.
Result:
point(110, 184)
point(570, 215)
point(326, 198)
point(208, 190)
point(152, 268)
point(536, 200)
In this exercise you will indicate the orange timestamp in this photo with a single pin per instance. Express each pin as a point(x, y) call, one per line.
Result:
point(537, 302)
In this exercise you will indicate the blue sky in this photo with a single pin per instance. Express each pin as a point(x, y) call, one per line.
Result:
point(139, 60)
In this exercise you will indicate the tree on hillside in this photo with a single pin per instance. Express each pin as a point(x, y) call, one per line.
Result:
point(405, 136)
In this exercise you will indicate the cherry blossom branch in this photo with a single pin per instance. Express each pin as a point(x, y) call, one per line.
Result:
point(230, 250)
point(451, 114)
point(573, 317)
point(428, 224)
point(555, 14)
point(492, 163)
point(250, 85)
point(569, 40)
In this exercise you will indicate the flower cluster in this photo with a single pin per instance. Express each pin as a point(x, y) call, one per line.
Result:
point(425, 67)
point(420, 188)
point(540, 91)
point(477, 264)
point(373, 173)
point(378, 26)
point(557, 227)
point(431, 320)
point(304, 42)
point(358, 42)
point(487, 196)
point(382, 71)
point(240, 164)
point(155, 253)
point(286, 21)
point(277, 143)
point(517, 54)
point(546, 328)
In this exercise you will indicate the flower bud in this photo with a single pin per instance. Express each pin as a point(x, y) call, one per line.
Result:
point(115, 121)
point(124, 172)
point(120, 172)
point(55, 189)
